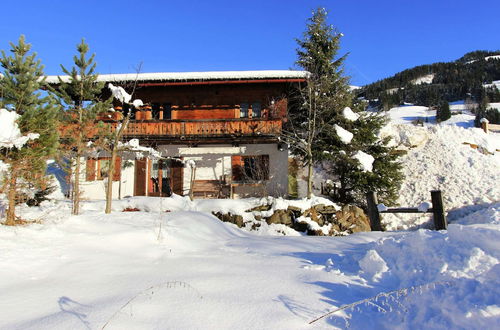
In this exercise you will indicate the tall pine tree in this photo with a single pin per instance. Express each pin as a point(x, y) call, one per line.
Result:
point(313, 105)
point(21, 86)
point(79, 95)
point(341, 137)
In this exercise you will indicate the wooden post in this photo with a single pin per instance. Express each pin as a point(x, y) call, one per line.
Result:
point(440, 222)
point(484, 125)
point(371, 201)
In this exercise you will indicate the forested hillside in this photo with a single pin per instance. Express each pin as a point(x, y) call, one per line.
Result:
point(474, 77)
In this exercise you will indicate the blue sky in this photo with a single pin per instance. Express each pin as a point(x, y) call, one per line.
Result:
point(382, 37)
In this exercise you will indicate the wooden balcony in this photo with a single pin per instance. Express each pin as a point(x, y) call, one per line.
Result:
point(188, 129)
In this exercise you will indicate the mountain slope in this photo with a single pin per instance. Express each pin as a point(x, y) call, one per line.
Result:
point(472, 76)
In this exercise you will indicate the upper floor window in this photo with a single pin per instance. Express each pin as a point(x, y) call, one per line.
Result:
point(167, 110)
point(243, 110)
point(256, 110)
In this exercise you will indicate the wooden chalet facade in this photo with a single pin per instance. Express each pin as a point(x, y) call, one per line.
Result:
point(227, 123)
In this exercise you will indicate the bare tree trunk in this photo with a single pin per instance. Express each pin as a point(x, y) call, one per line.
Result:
point(76, 187)
point(11, 196)
point(111, 173)
point(309, 178)
point(191, 183)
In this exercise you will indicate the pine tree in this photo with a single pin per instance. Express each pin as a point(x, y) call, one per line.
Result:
point(316, 104)
point(80, 97)
point(443, 111)
point(327, 90)
point(21, 84)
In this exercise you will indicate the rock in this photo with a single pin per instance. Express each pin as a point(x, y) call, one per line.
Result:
point(352, 219)
point(232, 218)
point(260, 208)
point(315, 216)
point(283, 217)
point(294, 209)
point(325, 209)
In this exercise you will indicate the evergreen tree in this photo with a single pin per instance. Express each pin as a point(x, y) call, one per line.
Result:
point(315, 104)
point(443, 111)
point(80, 97)
point(328, 90)
point(20, 85)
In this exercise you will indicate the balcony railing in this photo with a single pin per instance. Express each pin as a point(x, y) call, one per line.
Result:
point(212, 128)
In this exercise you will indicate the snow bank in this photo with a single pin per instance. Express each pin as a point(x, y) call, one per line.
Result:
point(466, 176)
point(430, 279)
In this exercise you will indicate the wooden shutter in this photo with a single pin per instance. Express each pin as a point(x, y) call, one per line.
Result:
point(118, 169)
point(177, 174)
point(91, 169)
point(140, 177)
point(237, 165)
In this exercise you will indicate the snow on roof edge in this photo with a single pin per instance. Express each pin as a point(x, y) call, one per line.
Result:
point(187, 76)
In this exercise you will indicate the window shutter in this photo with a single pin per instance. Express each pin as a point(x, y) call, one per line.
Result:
point(90, 169)
point(118, 169)
point(237, 167)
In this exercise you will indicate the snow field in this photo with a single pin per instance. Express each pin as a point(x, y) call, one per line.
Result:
point(186, 269)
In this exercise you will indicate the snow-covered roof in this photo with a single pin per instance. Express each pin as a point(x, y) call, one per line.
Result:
point(194, 76)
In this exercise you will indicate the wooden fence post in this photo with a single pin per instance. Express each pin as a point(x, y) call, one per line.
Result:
point(371, 201)
point(440, 222)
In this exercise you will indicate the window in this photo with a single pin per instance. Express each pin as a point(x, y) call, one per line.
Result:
point(167, 111)
point(243, 110)
point(256, 110)
point(97, 168)
point(102, 168)
point(155, 111)
point(250, 168)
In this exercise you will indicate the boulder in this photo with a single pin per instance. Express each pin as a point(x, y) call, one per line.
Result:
point(325, 209)
point(352, 219)
point(283, 217)
point(232, 218)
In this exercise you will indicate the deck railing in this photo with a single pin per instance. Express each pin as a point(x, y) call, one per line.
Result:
point(203, 128)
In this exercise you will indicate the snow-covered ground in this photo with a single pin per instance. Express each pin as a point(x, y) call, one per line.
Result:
point(173, 265)
point(187, 270)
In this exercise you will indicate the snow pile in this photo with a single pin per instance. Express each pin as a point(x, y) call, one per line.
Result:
point(344, 135)
point(430, 280)
point(10, 135)
point(462, 163)
point(349, 114)
point(372, 266)
point(365, 160)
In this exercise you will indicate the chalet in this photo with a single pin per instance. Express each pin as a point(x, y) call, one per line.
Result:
point(227, 123)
